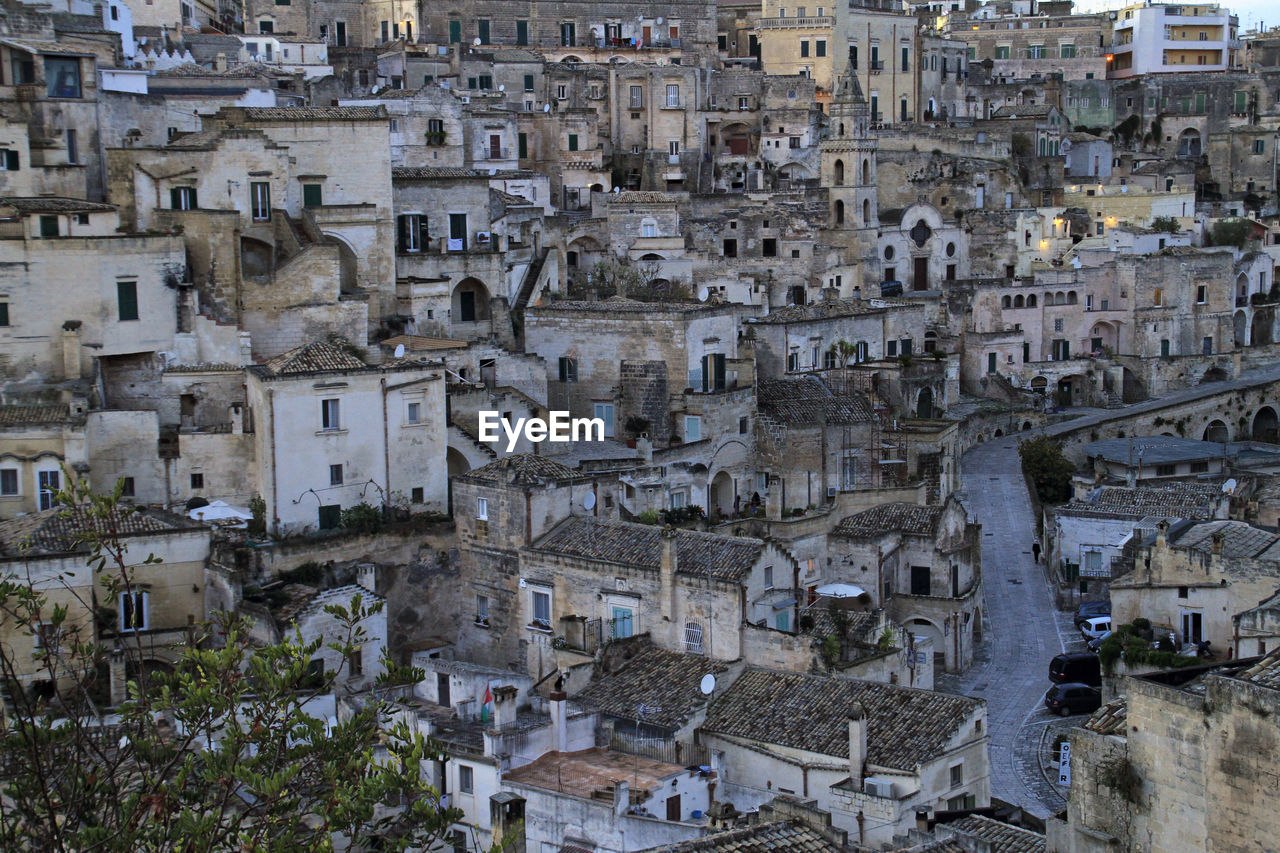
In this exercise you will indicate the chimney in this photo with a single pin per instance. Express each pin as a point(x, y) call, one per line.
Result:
point(237, 418)
point(621, 796)
point(644, 444)
point(857, 741)
point(559, 719)
point(773, 500)
point(922, 818)
point(857, 291)
point(220, 62)
point(71, 349)
point(830, 294)
point(504, 706)
point(367, 577)
point(667, 564)
point(1218, 537)
point(1162, 538)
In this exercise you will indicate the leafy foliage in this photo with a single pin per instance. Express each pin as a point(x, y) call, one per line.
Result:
point(613, 276)
point(223, 753)
point(362, 518)
point(1049, 469)
point(1230, 232)
point(1166, 225)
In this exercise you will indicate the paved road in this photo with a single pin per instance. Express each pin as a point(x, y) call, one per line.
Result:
point(1022, 629)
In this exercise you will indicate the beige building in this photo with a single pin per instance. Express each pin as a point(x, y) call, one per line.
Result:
point(1195, 577)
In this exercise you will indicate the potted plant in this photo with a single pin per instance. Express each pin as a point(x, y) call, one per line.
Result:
point(636, 426)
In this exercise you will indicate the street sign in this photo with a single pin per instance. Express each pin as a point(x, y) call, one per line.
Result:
point(1064, 763)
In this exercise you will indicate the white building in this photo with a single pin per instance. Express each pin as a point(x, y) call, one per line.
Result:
point(1159, 39)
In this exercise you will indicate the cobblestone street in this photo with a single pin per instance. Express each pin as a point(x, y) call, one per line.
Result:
point(1022, 631)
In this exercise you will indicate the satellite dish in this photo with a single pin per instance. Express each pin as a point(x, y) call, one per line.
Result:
point(493, 171)
point(399, 350)
point(659, 22)
point(589, 502)
point(546, 108)
point(502, 87)
point(476, 41)
point(708, 684)
point(616, 189)
point(1229, 486)
point(703, 294)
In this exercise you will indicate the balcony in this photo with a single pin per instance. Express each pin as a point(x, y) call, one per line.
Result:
point(796, 23)
point(876, 66)
point(496, 154)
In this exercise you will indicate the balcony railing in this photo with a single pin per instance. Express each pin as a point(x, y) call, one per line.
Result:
point(796, 23)
point(877, 66)
point(496, 154)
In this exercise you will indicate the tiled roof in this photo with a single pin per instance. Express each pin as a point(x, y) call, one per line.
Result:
point(315, 357)
point(591, 772)
point(30, 415)
point(1002, 837)
point(314, 113)
point(905, 727)
point(523, 469)
point(622, 305)
point(337, 595)
point(53, 204)
point(1022, 111)
point(898, 516)
point(1164, 500)
point(1110, 719)
point(1151, 450)
point(809, 401)
point(640, 545)
point(422, 343)
point(792, 836)
point(509, 199)
point(665, 684)
point(58, 530)
point(1240, 538)
point(1265, 672)
point(198, 140)
point(427, 173)
point(32, 46)
point(642, 197)
point(822, 310)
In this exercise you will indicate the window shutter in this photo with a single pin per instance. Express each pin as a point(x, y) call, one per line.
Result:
point(402, 232)
point(718, 362)
point(564, 369)
point(195, 204)
point(422, 233)
point(175, 198)
point(11, 161)
point(706, 373)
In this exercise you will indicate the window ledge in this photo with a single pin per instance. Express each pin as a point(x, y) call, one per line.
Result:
point(540, 629)
point(331, 432)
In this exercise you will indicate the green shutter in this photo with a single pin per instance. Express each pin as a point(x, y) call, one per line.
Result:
point(522, 32)
point(523, 142)
point(455, 32)
point(11, 161)
point(175, 198)
point(4, 313)
point(48, 226)
point(573, 142)
point(127, 299)
point(312, 195)
point(528, 82)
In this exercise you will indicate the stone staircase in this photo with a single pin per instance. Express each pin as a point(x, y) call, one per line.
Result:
point(530, 282)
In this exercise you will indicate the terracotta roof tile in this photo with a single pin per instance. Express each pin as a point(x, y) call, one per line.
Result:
point(809, 401)
point(31, 415)
point(58, 530)
point(905, 727)
point(315, 357)
point(665, 684)
point(1002, 837)
point(898, 516)
point(643, 197)
point(793, 836)
point(522, 469)
point(1110, 719)
point(1265, 672)
point(266, 114)
point(52, 204)
point(725, 557)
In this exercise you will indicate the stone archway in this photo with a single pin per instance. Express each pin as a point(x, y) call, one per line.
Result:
point(1240, 329)
point(470, 301)
point(722, 492)
point(1266, 425)
point(1217, 431)
point(924, 403)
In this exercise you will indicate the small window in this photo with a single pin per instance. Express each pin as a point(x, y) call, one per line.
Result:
point(8, 160)
point(335, 475)
point(330, 414)
point(62, 77)
point(260, 198)
point(482, 509)
point(413, 413)
point(126, 487)
point(127, 300)
point(1202, 294)
point(197, 481)
point(1182, 592)
point(568, 369)
point(1166, 470)
point(768, 577)
point(8, 482)
point(466, 779)
point(48, 226)
point(312, 195)
point(541, 601)
point(4, 314)
point(957, 775)
point(692, 428)
point(770, 247)
point(182, 198)
point(133, 611)
point(416, 495)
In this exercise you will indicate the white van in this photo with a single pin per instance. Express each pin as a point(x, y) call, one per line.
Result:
point(1095, 627)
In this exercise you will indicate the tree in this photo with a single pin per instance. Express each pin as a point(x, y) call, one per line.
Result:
point(1230, 232)
point(222, 754)
point(1165, 225)
point(616, 276)
point(1047, 467)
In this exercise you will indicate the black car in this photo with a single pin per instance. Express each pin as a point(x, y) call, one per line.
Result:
point(1073, 698)
point(1076, 668)
point(1090, 609)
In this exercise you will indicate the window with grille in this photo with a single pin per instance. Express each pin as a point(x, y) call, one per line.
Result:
point(693, 638)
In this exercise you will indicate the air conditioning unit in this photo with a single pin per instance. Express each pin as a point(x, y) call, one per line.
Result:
point(482, 236)
point(832, 491)
point(875, 787)
point(466, 99)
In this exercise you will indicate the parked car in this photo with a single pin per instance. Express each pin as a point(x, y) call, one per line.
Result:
point(1096, 642)
point(1076, 668)
point(1095, 627)
point(1090, 609)
point(1073, 698)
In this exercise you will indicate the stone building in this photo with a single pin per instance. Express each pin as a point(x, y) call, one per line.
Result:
point(149, 616)
point(328, 427)
point(1184, 761)
point(36, 443)
point(1196, 576)
point(923, 565)
point(845, 744)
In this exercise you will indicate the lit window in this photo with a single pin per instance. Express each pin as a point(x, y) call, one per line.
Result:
point(482, 509)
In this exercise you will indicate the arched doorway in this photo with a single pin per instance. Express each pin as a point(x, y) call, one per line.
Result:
point(457, 465)
point(470, 301)
point(926, 629)
point(839, 212)
point(1266, 425)
point(1240, 329)
point(722, 495)
point(1040, 385)
point(1262, 321)
point(738, 139)
point(924, 403)
point(1104, 336)
point(1072, 391)
point(839, 172)
point(1189, 143)
point(1214, 374)
point(1217, 431)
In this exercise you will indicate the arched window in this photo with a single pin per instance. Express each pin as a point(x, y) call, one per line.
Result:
point(1071, 297)
point(839, 172)
point(1005, 303)
point(866, 211)
point(866, 172)
point(842, 128)
point(1031, 301)
point(1017, 301)
point(839, 212)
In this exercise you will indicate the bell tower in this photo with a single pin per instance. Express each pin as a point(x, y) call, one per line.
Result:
point(849, 160)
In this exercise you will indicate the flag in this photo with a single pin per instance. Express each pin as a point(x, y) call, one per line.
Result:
point(486, 707)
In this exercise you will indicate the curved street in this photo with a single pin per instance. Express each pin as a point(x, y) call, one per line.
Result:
point(1022, 630)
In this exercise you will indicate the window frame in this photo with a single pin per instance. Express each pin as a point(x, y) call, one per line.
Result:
point(330, 414)
point(137, 596)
